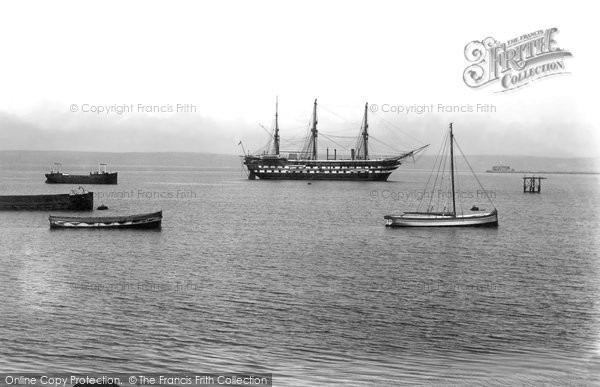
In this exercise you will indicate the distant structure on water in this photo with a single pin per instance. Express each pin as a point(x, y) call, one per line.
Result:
point(500, 169)
point(532, 184)
point(305, 165)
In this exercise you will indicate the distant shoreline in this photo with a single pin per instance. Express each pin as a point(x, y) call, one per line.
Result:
point(77, 160)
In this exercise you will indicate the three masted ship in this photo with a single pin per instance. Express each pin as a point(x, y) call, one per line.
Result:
point(306, 165)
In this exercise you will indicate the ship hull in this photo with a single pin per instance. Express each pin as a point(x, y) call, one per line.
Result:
point(142, 221)
point(92, 178)
point(341, 170)
point(324, 176)
point(488, 219)
point(61, 202)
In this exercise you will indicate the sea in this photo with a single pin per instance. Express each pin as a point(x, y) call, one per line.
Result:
point(301, 279)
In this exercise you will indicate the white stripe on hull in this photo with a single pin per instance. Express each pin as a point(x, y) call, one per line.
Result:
point(61, 223)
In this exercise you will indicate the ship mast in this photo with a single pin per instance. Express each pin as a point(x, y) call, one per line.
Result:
point(452, 169)
point(314, 132)
point(276, 136)
point(365, 133)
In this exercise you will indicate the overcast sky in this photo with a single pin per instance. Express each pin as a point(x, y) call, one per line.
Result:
point(230, 59)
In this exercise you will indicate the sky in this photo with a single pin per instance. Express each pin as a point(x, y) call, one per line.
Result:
point(63, 61)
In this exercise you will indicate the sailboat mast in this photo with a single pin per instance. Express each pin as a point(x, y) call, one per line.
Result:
point(452, 169)
point(276, 137)
point(314, 132)
point(365, 133)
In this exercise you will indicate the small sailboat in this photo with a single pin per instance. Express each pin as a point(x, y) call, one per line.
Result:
point(447, 217)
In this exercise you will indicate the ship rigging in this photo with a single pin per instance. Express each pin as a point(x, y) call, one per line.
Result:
point(305, 164)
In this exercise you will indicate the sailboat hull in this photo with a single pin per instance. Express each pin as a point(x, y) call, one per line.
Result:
point(485, 219)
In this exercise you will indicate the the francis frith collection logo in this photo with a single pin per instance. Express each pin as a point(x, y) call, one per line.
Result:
point(516, 62)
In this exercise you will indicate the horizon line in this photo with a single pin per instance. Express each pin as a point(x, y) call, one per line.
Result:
point(232, 154)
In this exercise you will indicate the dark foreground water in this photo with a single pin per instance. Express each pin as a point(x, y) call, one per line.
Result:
point(304, 281)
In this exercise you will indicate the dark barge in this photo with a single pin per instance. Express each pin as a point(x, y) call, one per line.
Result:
point(75, 201)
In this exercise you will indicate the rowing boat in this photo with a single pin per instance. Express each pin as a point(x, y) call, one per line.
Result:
point(151, 220)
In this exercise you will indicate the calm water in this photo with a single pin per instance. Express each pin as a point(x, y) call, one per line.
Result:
point(304, 281)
